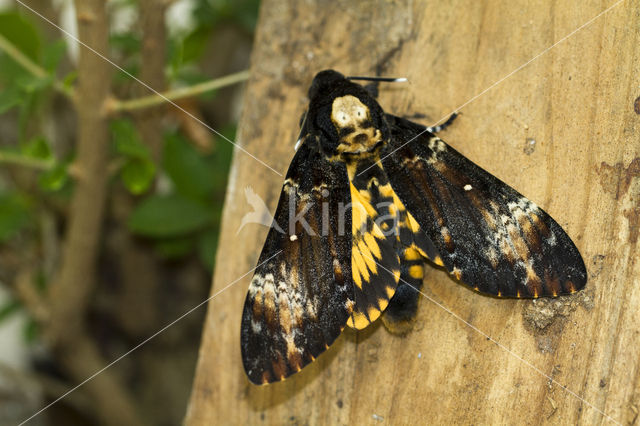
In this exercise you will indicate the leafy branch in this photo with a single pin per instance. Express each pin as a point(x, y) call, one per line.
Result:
point(175, 94)
point(23, 60)
point(23, 160)
point(116, 105)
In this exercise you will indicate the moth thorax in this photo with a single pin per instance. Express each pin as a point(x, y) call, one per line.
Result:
point(354, 125)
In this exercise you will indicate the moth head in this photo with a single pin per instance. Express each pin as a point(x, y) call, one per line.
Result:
point(344, 116)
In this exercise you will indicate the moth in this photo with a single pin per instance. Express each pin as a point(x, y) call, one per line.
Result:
point(368, 200)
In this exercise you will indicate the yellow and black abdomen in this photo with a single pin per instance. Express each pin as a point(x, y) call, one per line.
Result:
point(388, 250)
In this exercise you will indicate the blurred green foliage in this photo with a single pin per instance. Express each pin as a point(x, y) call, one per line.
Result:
point(14, 214)
point(181, 216)
point(138, 170)
point(22, 33)
point(20, 95)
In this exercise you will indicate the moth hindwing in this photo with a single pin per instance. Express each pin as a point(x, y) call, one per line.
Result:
point(368, 199)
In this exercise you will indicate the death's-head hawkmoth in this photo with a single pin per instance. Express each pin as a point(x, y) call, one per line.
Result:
point(368, 199)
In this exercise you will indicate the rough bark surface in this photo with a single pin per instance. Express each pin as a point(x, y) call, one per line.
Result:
point(562, 130)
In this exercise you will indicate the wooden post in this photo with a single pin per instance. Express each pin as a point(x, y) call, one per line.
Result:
point(562, 130)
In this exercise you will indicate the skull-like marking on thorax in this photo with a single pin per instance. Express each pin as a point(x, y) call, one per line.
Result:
point(353, 122)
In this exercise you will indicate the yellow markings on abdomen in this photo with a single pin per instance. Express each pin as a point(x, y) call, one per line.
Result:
point(416, 272)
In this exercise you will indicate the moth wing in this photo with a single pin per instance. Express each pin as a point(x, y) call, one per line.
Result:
point(301, 294)
point(486, 233)
point(375, 245)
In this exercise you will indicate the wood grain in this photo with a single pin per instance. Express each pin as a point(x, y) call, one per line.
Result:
point(562, 130)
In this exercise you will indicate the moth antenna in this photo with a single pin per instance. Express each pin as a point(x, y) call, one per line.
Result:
point(385, 79)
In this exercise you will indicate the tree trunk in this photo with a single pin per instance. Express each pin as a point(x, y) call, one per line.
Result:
point(562, 130)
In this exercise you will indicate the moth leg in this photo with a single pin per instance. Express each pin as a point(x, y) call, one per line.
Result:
point(399, 316)
point(444, 125)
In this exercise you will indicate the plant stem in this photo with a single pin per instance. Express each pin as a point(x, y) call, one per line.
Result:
point(25, 62)
point(16, 158)
point(183, 92)
point(119, 106)
point(74, 287)
point(21, 58)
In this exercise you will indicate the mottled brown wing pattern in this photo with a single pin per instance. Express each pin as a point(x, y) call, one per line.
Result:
point(487, 234)
point(300, 299)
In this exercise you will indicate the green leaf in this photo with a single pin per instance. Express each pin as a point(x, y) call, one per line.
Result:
point(174, 248)
point(168, 216)
point(207, 244)
point(194, 44)
point(220, 163)
point(8, 308)
point(32, 84)
point(54, 179)
point(14, 215)
point(31, 330)
point(190, 172)
point(127, 43)
point(69, 79)
point(246, 12)
point(53, 54)
point(127, 141)
point(174, 54)
point(137, 175)
point(28, 109)
point(9, 97)
point(123, 76)
point(21, 33)
point(37, 148)
point(190, 76)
